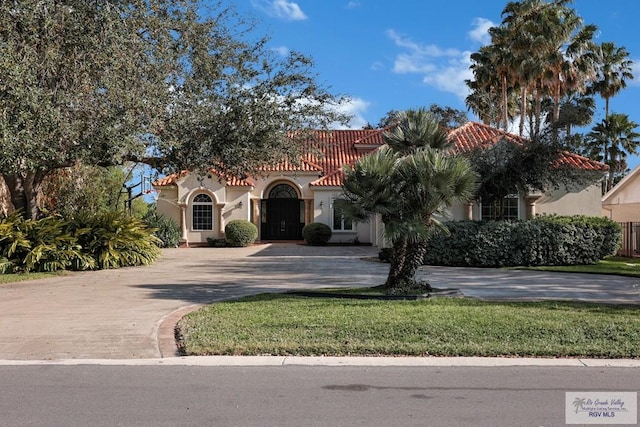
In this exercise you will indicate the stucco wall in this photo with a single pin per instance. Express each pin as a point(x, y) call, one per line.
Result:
point(167, 203)
point(628, 212)
point(572, 202)
point(622, 204)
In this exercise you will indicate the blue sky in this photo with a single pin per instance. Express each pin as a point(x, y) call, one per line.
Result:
point(412, 53)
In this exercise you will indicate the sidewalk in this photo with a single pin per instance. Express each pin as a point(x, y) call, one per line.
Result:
point(130, 313)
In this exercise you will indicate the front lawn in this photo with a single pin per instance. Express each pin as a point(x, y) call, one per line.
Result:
point(281, 324)
point(9, 278)
point(611, 265)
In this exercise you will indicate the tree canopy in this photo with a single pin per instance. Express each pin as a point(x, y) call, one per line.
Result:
point(159, 81)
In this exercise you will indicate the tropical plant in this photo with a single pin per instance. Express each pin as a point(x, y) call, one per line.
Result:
point(166, 229)
point(611, 141)
point(240, 233)
point(115, 239)
point(541, 51)
point(613, 71)
point(406, 183)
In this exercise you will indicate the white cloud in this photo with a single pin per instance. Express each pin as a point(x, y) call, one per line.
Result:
point(443, 68)
point(281, 50)
point(377, 65)
point(420, 51)
point(281, 9)
point(353, 5)
point(480, 32)
point(354, 107)
point(452, 78)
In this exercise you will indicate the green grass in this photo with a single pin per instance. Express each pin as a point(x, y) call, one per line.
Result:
point(612, 265)
point(281, 324)
point(10, 278)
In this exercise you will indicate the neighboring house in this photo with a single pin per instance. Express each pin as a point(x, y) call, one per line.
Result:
point(288, 196)
point(622, 202)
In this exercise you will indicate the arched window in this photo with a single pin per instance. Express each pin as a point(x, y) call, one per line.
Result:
point(283, 191)
point(202, 209)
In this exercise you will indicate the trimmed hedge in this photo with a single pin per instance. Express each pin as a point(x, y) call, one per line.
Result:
point(544, 240)
point(240, 233)
point(87, 242)
point(316, 234)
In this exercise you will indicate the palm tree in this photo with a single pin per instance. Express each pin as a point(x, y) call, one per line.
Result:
point(612, 140)
point(541, 51)
point(406, 182)
point(415, 130)
point(614, 69)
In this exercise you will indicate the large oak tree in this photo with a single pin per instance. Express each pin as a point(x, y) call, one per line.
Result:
point(167, 82)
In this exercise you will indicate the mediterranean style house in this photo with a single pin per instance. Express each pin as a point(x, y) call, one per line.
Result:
point(288, 197)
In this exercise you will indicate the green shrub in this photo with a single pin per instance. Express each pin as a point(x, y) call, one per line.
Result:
point(544, 240)
point(240, 233)
point(40, 245)
point(167, 230)
point(316, 234)
point(108, 240)
point(115, 239)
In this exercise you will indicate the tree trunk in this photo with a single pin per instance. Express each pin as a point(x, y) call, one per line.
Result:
point(505, 104)
point(523, 109)
point(398, 258)
point(24, 189)
point(414, 260)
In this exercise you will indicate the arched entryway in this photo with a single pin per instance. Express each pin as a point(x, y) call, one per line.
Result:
point(282, 214)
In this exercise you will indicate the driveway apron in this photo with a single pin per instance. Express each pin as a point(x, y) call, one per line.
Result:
point(116, 314)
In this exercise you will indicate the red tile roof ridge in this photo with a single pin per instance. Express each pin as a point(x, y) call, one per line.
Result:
point(172, 179)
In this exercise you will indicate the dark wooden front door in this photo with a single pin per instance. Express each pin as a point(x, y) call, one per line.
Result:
point(282, 214)
point(282, 220)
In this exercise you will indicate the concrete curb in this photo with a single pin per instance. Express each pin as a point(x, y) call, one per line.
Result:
point(281, 361)
point(165, 333)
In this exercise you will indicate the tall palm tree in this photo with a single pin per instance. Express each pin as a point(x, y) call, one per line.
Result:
point(613, 140)
point(406, 182)
point(614, 69)
point(545, 52)
point(492, 76)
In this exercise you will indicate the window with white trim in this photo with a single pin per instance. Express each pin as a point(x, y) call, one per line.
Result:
point(508, 209)
point(338, 221)
point(202, 212)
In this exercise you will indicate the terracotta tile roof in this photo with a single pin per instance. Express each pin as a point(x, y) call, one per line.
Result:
point(334, 179)
point(306, 165)
point(344, 147)
point(172, 179)
point(472, 135)
point(338, 147)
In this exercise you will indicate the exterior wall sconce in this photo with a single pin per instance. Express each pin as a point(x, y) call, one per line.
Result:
point(321, 204)
point(240, 204)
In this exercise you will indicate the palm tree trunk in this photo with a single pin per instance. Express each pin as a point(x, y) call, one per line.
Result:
point(523, 109)
point(398, 258)
point(505, 106)
point(414, 260)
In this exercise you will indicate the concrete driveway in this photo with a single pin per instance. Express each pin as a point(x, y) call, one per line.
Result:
point(130, 313)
